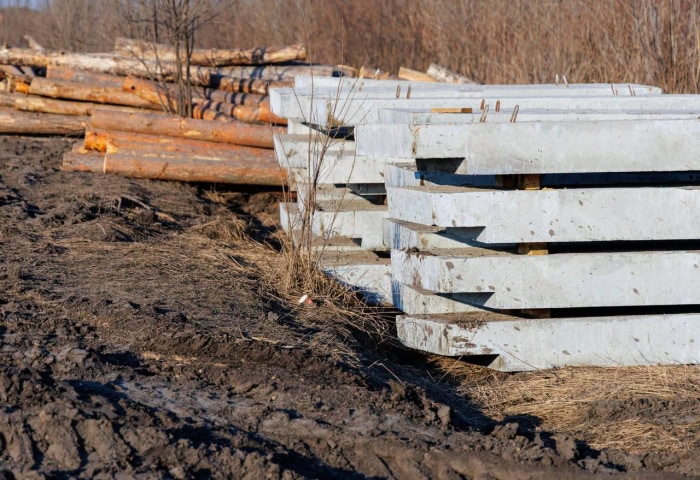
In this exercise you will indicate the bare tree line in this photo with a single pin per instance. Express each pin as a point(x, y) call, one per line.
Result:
point(495, 41)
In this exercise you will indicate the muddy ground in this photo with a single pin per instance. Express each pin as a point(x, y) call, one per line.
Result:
point(130, 347)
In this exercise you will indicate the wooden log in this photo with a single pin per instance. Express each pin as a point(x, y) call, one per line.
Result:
point(55, 72)
point(156, 93)
point(444, 74)
point(34, 103)
point(210, 57)
point(414, 75)
point(248, 171)
point(7, 99)
point(166, 93)
point(184, 168)
point(28, 72)
point(118, 142)
point(274, 72)
point(19, 86)
point(248, 85)
point(234, 132)
point(100, 63)
point(66, 89)
point(11, 71)
point(248, 99)
point(243, 113)
point(115, 65)
point(27, 123)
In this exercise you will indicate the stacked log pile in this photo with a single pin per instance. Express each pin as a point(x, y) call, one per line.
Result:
point(120, 100)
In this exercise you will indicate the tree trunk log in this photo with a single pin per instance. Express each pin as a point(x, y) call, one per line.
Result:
point(247, 99)
point(274, 72)
point(117, 142)
point(100, 63)
point(414, 75)
point(89, 93)
point(127, 47)
point(184, 168)
point(234, 132)
point(258, 114)
point(247, 85)
point(83, 76)
point(164, 94)
point(33, 103)
point(27, 123)
point(115, 65)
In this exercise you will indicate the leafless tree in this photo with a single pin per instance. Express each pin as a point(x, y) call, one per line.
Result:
point(176, 24)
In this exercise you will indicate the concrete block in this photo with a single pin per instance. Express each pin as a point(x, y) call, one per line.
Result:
point(336, 164)
point(557, 215)
point(413, 301)
point(572, 147)
point(327, 112)
point(363, 271)
point(525, 344)
point(329, 245)
point(424, 117)
point(542, 146)
point(331, 196)
point(564, 280)
point(329, 84)
point(289, 216)
point(297, 127)
point(404, 235)
point(353, 220)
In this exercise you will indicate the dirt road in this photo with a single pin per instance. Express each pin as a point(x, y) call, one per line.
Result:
point(130, 347)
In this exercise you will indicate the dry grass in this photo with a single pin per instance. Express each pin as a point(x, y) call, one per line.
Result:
point(637, 409)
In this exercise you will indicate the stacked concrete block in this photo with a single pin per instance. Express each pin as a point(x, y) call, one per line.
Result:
point(549, 243)
point(529, 226)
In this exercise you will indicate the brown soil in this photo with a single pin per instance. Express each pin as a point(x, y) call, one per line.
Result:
point(132, 344)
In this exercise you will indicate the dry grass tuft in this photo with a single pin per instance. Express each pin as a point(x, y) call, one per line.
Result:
point(637, 409)
point(334, 318)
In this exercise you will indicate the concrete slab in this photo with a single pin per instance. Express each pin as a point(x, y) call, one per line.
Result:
point(404, 235)
point(565, 280)
point(330, 195)
point(423, 117)
point(414, 301)
point(292, 102)
point(556, 215)
point(352, 220)
point(336, 164)
point(349, 113)
point(289, 216)
point(542, 146)
point(302, 83)
point(296, 127)
point(304, 151)
point(362, 271)
point(525, 344)
point(571, 147)
point(329, 245)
